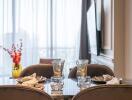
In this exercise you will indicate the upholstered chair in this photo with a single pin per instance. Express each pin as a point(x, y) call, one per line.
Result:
point(45, 70)
point(92, 70)
point(47, 60)
point(105, 92)
point(15, 92)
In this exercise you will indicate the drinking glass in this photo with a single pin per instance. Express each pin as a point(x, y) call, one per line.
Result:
point(84, 82)
point(58, 67)
point(56, 83)
point(82, 67)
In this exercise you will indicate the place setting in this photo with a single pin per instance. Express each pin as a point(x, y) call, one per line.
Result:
point(33, 81)
point(106, 79)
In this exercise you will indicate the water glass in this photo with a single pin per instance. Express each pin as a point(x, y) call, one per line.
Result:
point(84, 82)
point(82, 67)
point(58, 67)
point(56, 83)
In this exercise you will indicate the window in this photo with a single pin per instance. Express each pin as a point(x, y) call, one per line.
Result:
point(48, 28)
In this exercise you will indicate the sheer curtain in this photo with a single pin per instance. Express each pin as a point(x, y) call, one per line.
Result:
point(66, 28)
point(48, 29)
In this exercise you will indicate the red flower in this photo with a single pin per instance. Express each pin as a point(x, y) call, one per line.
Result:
point(16, 56)
point(15, 53)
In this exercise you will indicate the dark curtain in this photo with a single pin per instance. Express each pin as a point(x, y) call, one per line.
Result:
point(98, 23)
point(84, 52)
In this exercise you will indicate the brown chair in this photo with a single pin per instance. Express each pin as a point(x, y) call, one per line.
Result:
point(45, 70)
point(92, 70)
point(50, 60)
point(14, 92)
point(106, 92)
point(46, 60)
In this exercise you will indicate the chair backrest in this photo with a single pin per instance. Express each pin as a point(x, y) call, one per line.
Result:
point(50, 60)
point(106, 92)
point(14, 92)
point(45, 70)
point(92, 70)
point(46, 60)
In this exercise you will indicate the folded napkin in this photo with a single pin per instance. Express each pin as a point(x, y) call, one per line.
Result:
point(31, 81)
point(113, 81)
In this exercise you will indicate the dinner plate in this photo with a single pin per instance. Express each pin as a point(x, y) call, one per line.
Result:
point(98, 81)
point(39, 78)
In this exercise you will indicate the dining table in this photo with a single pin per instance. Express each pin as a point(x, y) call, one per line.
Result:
point(69, 89)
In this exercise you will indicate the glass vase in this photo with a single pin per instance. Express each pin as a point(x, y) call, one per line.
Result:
point(16, 70)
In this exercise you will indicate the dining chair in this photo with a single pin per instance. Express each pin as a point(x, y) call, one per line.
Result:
point(16, 92)
point(92, 70)
point(105, 92)
point(45, 70)
point(47, 60)
point(50, 61)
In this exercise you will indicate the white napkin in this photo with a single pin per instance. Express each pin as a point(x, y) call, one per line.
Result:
point(113, 81)
point(30, 83)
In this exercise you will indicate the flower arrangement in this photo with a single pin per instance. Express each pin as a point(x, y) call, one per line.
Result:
point(15, 53)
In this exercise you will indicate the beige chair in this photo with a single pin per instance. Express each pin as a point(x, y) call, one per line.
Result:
point(92, 70)
point(14, 92)
point(45, 70)
point(106, 92)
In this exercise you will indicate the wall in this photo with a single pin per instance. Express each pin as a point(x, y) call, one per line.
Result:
point(123, 38)
point(128, 38)
point(119, 38)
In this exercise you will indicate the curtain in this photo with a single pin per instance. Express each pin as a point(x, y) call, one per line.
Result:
point(66, 28)
point(48, 29)
point(84, 52)
point(98, 19)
